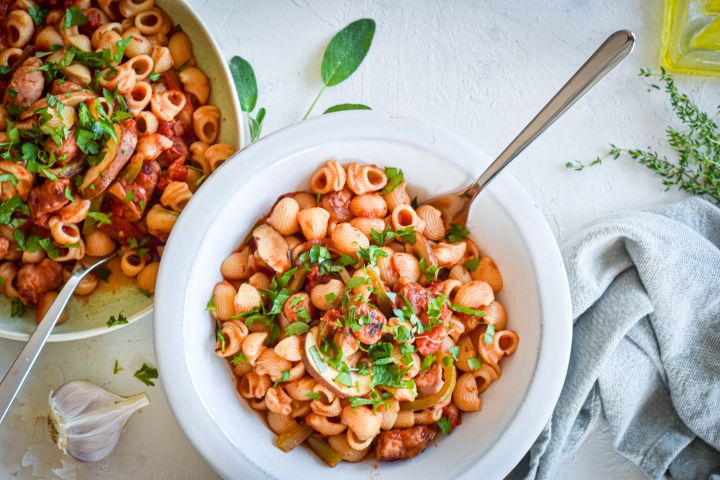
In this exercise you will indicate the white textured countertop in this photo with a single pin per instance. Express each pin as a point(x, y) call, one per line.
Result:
point(482, 69)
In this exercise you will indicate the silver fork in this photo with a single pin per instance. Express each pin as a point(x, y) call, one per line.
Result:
point(455, 206)
point(15, 377)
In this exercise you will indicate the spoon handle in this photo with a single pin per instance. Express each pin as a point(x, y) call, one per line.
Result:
point(611, 52)
point(15, 377)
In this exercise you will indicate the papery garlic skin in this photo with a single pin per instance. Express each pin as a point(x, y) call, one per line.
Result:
point(85, 420)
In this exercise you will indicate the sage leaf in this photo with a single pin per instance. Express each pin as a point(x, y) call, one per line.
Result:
point(245, 83)
point(346, 51)
point(347, 106)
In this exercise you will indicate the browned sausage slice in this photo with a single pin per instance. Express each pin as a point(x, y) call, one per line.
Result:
point(100, 176)
point(403, 443)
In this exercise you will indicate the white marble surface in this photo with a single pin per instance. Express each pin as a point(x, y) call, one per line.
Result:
point(479, 68)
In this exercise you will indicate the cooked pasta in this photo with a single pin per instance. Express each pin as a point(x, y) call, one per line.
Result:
point(100, 101)
point(353, 333)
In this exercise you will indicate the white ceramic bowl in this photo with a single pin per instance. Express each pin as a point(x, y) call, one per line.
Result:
point(504, 222)
point(87, 317)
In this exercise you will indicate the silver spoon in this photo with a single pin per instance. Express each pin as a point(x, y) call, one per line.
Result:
point(455, 206)
point(15, 377)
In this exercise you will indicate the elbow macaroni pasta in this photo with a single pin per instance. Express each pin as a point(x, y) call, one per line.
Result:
point(367, 328)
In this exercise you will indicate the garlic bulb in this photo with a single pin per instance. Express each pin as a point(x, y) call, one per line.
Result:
point(85, 420)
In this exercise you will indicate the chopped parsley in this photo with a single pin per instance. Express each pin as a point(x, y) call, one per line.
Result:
point(129, 196)
point(314, 395)
point(119, 320)
point(371, 254)
point(17, 308)
point(471, 265)
point(467, 310)
point(474, 363)
point(344, 378)
point(220, 339)
point(74, 16)
point(317, 359)
point(456, 233)
point(319, 256)
point(37, 13)
point(283, 378)
point(445, 425)
point(238, 359)
point(146, 374)
point(395, 177)
point(116, 367)
point(9, 177)
point(356, 282)
point(428, 361)
point(154, 76)
point(430, 271)
point(404, 234)
point(100, 217)
point(454, 351)
point(296, 328)
point(68, 194)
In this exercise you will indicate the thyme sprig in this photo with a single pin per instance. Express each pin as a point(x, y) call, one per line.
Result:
point(697, 144)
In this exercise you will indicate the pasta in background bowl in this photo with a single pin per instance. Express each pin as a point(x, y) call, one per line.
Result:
point(504, 223)
point(150, 39)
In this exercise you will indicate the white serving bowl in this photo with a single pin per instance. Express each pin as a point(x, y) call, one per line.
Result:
point(88, 316)
point(504, 223)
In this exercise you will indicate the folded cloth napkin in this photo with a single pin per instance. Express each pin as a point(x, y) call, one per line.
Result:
point(646, 343)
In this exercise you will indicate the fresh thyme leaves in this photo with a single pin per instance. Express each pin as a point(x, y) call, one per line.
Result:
point(146, 374)
point(119, 320)
point(344, 54)
point(697, 144)
point(247, 92)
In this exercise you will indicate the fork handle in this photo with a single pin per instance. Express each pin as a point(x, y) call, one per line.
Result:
point(15, 377)
point(611, 52)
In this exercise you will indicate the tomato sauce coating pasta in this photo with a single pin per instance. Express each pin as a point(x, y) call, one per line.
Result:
point(102, 103)
point(358, 340)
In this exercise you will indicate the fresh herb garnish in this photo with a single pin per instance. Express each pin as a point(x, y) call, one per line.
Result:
point(474, 363)
point(37, 13)
point(116, 367)
point(454, 351)
point(467, 310)
point(428, 361)
point(429, 270)
point(221, 339)
point(146, 374)
point(318, 255)
point(74, 16)
point(283, 378)
point(456, 233)
point(404, 234)
point(344, 54)
point(296, 328)
point(154, 77)
point(445, 425)
point(697, 145)
point(344, 378)
point(395, 177)
point(119, 320)
point(17, 308)
point(100, 217)
point(312, 395)
point(371, 254)
point(238, 359)
point(472, 264)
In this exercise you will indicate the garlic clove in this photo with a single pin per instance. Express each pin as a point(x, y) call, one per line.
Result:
point(85, 420)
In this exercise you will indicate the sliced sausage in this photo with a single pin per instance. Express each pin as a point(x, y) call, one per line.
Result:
point(403, 443)
point(35, 280)
point(26, 85)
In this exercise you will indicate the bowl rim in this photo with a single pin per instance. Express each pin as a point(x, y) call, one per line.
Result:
point(553, 357)
point(243, 135)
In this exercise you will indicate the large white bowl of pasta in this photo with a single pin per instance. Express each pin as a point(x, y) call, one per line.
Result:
point(232, 366)
point(113, 113)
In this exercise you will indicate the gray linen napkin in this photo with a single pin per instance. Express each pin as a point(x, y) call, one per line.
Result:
point(646, 343)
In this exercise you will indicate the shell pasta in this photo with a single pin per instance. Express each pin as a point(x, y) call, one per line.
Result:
point(102, 103)
point(358, 323)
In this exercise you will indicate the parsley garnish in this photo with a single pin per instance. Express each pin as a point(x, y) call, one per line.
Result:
point(37, 13)
point(119, 320)
point(371, 254)
point(454, 351)
point(429, 270)
point(154, 77)
point(395, 177)
point(445, 425)
point(471, 265)
point(74, 16)
point(404, 234)
point(283, 378)
point(297, 328)
point(344, 378)
point(456, 233)
point(68, 194)
point(238, 359)
point(314, 395)
point(428, 361)
point(17, 308)
point(467, 310)
point(116, 367)
point(220, 339)
point(9, 177)
point(474, 363)
point(100, 217)
point(146, 374)
point(318, 255)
